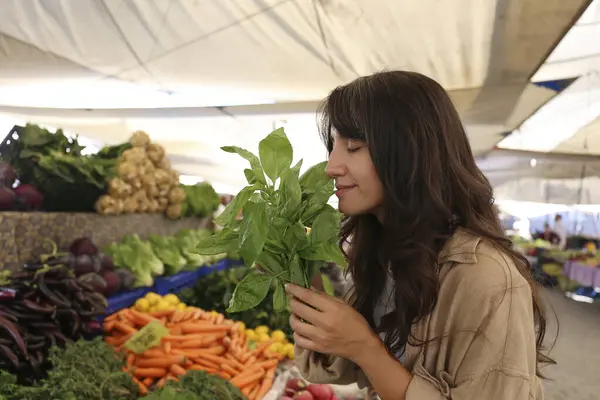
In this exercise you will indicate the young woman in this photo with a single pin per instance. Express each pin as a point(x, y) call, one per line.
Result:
point(441, 306)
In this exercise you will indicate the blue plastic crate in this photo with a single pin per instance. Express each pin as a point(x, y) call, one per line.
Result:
point(186, 279)
point(125, 299)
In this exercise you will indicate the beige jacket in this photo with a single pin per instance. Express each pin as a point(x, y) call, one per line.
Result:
point(484, 314)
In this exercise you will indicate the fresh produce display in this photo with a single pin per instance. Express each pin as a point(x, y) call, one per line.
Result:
point(277, 338)
point(54, 164)
point(197, 385)
point(24, 197)
point(214, 291)
point(153, 302)
point(193, 340)
point(43, 306)
point(160, 255)
point(277, 206)
point(86, 369)
point(201, 200)
point(145, 182)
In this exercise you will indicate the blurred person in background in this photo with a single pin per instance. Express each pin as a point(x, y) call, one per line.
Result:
point(549, 235)
point(560, 230)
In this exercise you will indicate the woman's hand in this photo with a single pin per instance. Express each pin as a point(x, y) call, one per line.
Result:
point(328, 325)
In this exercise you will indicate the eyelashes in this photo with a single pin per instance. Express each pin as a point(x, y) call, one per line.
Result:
point(353, 149)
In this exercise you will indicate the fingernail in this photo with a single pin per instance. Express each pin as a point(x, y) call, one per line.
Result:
point(287, 287)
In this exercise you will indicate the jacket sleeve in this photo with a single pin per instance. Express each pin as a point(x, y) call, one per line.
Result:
point(321, 368)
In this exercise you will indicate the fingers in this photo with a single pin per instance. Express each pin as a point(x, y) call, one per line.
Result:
point(305, 312)
point(310, 297)
point(306, 344)
point(302, 328)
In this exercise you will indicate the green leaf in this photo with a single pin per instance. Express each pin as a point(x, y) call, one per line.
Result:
point(295, 238)
point(297, 273)
point(250, 292)
point(325, 228)
point(254, 229)
point(296, 168)
point(272, 264)
point(230, 213)
point(219, 243)
point(250, 176)
point(280, 300)
point(329, 252)
point(327, 285)
point(252, 159)
point(292, 194)
point(315, 176)
point(275, 153)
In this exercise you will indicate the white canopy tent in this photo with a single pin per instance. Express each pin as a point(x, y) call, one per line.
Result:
point(198, 74)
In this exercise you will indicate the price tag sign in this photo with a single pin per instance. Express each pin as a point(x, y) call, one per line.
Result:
point(147, 337)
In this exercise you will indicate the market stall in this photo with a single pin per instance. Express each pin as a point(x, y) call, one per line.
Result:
point(137, 282)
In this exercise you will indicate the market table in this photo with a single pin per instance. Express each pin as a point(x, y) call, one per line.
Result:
point(584, 274)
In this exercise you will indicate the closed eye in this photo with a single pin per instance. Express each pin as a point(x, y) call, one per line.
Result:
point(353, 149)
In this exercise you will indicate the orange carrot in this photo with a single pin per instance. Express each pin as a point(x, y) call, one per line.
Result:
point(143, 388)
point(265, 386)
point(109, 325)
point(167, 347)
point(254, 391)
point(224, 375)
point(154, 353)
point(235, 362)
point(150, 372)
point(148, 381)
point(206, 363)
point(229, 369)
point(177, 370)
point(141, 318)
point(245, 379)
point(250, 361)
point(161, 382)
point(111, 317)
point(191, 327)
point(163, 313)
point(130, 361)
point(162, 362)
point(124, 327)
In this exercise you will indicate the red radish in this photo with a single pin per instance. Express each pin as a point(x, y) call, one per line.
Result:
point(295, 385)
point(304, 395)
point(113, 282)
point(30, 195)
point(320, 392)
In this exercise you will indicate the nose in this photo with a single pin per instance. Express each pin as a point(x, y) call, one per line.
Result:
point(335, 165)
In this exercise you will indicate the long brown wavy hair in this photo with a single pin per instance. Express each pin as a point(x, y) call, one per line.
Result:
point(431, 185)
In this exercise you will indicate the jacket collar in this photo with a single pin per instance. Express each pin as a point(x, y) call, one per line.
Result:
point(460, 248)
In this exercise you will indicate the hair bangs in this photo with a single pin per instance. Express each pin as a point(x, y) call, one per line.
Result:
point(340, 112)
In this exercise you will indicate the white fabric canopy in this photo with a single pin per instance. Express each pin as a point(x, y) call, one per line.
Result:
point(104, 68)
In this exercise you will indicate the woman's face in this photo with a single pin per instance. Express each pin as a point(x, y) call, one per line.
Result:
point(358, 187)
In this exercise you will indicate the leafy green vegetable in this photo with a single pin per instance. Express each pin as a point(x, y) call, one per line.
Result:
point(272, 232)
point(327, 285)
point(250, 292)
point(197, 385)
point(168, 252)
point(83, 370)
point(55, 165)
point(201, 200)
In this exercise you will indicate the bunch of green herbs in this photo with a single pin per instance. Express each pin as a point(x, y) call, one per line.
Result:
point(277, 205)
point(197, 385)
point(88, 370)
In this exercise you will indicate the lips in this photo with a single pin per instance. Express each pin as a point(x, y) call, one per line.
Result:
point(343, 189)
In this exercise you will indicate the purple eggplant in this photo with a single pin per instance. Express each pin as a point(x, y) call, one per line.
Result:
point(94, 280)
point(83, 264)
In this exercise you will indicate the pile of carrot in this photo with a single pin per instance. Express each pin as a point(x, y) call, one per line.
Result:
point(197, 340)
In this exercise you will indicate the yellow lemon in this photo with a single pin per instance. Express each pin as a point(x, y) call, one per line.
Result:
point(172, 299)
point(288, 350)
point(276, 348)
point(263, 337)
point(152, 309)
point(152, 298)
point(142, 305)
point(251, 335)
point(261, 329)
point(241, 325)
point(278, 336)
point(162, 305)
point(181, 306)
